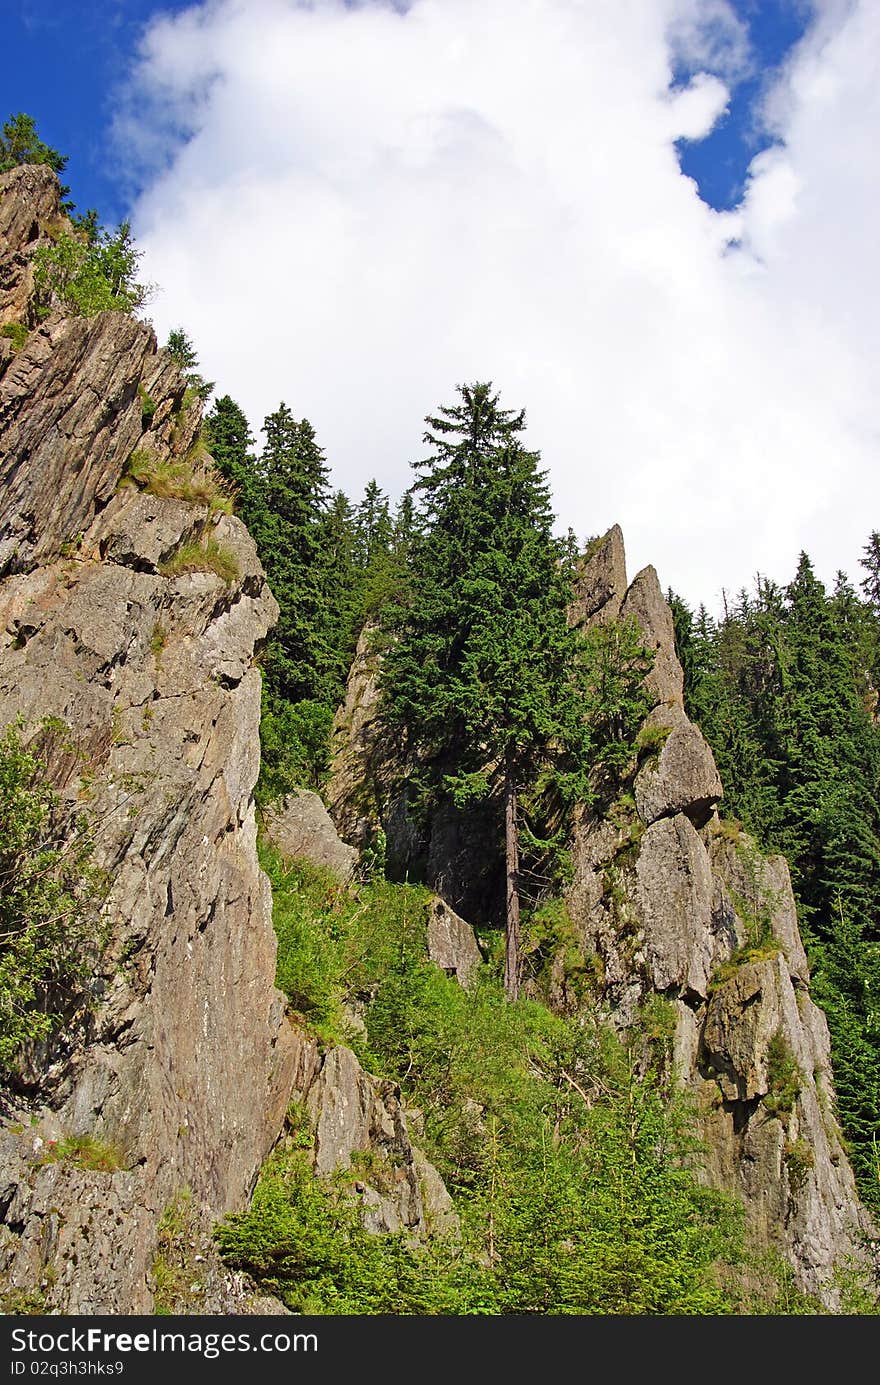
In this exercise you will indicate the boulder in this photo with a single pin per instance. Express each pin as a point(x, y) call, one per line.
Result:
point(355, 1114)
point(301, 826)
point(681, 776)
point(451, 942)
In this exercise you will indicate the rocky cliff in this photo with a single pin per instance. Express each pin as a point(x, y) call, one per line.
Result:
point(671, 900)
point(132, 609)
point(184, 1066)
point(131, 615)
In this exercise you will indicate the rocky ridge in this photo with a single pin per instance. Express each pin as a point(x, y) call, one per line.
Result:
point(671, 900)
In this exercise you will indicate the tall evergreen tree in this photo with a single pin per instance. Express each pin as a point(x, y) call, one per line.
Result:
point(480, 671)
point(230, 442)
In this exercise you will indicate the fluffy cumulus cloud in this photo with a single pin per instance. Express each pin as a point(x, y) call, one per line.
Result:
point(354, 207)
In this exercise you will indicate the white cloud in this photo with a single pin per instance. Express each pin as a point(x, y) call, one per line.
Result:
point(374, 204)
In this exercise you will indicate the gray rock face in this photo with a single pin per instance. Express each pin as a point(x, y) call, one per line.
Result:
point(645, 601)
point(451, 943)
point(669, 898)
point(352, 794)
point(681, 777)
point(673, 897)
point(29, 203)
point(774, 1137)
point(185, 1065)
point(762, 887)
point(353, 1114)
point(600, 580)
point(301, 826)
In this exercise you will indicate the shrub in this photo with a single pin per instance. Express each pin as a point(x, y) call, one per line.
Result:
point(49, 898)
point(88, 277)
point(148, 407)
point(17, 333)
point(651, 739)
point(295, 745)
point(783, 1076)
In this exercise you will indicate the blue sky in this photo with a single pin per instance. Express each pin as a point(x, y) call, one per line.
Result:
point(653, 225)
point(64, 61)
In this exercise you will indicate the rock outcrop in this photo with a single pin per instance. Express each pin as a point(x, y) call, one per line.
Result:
point(451, 942)
point(672, 900)
point(354, 1114)
point(369, 797)
point(29, 208)
point(301, 826)
point(146, 669)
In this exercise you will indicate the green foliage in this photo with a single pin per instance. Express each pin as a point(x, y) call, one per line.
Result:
point(784, 1077)
point(49, 898)
point(304, 1241)
point(20, 144)
point(175, 1272)
point(180, 349)
point(87, 277)
point(295, 745)
point(799, 1160)
point(335, 944)
point(206, 556)
point(651, 739)
point(24, 1302)
point(500, 700)
point(17, 334)
point(148, 407)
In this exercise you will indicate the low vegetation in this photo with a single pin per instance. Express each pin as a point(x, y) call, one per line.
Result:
point(205, 556)
point(176, 478)
point(49, 902)
point(566, 1149)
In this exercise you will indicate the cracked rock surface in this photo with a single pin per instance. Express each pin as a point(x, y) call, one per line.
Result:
point(185, 1064)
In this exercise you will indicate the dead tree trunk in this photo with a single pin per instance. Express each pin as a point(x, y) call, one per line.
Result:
point(511, 851)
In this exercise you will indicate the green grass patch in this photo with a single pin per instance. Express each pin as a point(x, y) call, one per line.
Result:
point(177, 478)
point(206, 556)
point(84, 1152)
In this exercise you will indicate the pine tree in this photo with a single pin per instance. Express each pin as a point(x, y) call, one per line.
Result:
point(480, 671)
point(230, 442)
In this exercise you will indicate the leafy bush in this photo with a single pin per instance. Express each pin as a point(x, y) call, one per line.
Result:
point(334, 944)
point(17, 334)
point(295, 745)
point(49, 897)
point(89, 277)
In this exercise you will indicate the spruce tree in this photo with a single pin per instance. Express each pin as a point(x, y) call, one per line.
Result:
point(230, 443)
point(480, 671)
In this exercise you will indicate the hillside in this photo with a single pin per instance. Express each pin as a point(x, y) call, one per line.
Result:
point(199, 1110)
